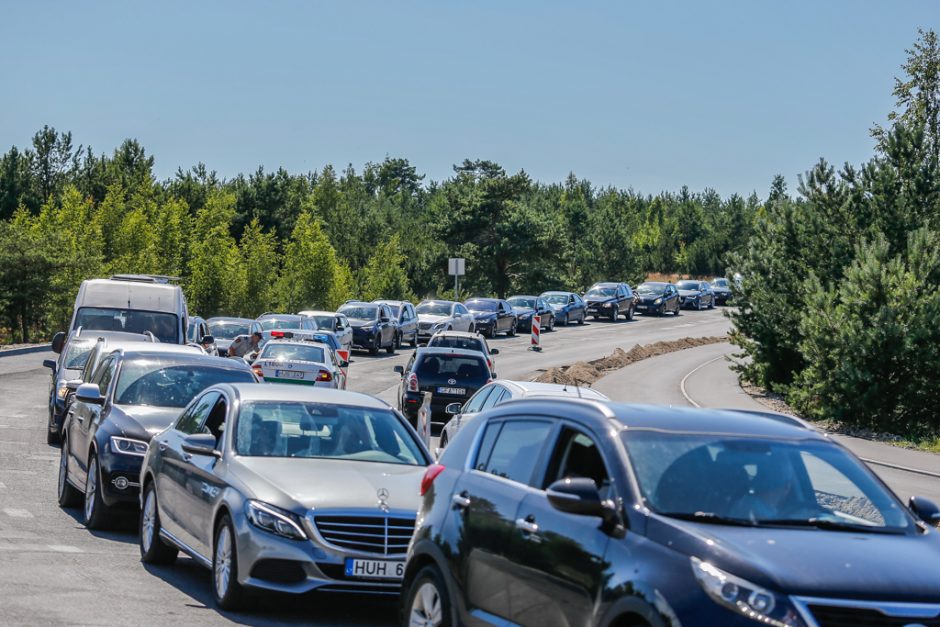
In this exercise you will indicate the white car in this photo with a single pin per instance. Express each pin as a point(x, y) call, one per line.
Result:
point(335, 322)
point(442, 315)
point(301, 361)
point(503, 390)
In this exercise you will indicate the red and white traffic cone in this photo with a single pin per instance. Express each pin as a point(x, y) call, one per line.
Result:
point(536, 344)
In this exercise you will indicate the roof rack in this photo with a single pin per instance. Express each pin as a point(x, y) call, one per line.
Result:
point(145, 278)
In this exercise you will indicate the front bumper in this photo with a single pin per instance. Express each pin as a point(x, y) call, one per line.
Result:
point(120, 477)
point(363, 339)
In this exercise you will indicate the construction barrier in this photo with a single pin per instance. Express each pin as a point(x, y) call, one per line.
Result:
point(343, 355)
point(424, 420)
point(536, 333)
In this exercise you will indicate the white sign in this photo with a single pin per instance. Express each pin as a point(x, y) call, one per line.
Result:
point(456, 266)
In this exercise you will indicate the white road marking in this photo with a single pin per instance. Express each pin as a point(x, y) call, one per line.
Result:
point(17, 513)
point(3, 486)
point(65, 548)
point(689, 374)
point(43, 458)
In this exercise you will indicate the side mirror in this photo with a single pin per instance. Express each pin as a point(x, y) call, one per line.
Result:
point(581, 497)
point(494, 351)
point(453, 409)
point(400, 370)
point(925, 509)
point(89, 393)
point(50, 364)
point(383, 319)
point(207, 339)
point(58, 341)
point(201, 444)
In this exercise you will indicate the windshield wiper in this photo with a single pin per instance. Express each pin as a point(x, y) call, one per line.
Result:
point(827, 523)
point(709, 517)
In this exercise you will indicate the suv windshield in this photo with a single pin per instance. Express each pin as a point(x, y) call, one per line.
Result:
point(78, 354)
point(268, 324)
point(557, 299)
point(228, 330)
point(324, 322)
point(650, 288)
point(601, 291)
point(460, 367)
point(687, 285)
point(162, 325)
point(759, 481)
point(433, 309)
point(297, 352)
point(360, 312)
point(165, 382)
point(720, 282)
point(522, 302)
point(313, 430)
point(482, 305)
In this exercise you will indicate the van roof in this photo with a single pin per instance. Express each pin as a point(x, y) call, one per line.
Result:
point(118, 294)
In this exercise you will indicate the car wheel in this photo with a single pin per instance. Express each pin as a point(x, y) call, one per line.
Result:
point(414, 341)
point(582, 319)
point(678, 310)
point(228, 592)
point(398, 341)
point(512, 330)
point(711, 303)
point(564, 321)
point(52, 432)
point(374, 349)
point(390, 349)
point(615, 314)
point(153, 550)
point(427, 602)
point(68, 495)
point(699, 305)
point(551, 323)
point(595, 317)
point(96, 513)
point(629, 314)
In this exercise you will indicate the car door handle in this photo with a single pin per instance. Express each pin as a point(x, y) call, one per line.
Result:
point(527, 525)
point(461, 501)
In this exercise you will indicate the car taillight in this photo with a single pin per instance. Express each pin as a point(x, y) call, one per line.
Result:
point(257, 371)
point(277, 334)
point(325, 376)
point(429, 476)
point(413, 383)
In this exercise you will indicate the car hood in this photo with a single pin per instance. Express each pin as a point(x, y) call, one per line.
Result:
point(482, 315)
point(556, 306)
point(432, 318)
point(143, 421)
point(331, 483)
point(356, 324)
point(649, 297)
point(595, 300)
point(523, 311)
point(689, 292)
point(814, 562)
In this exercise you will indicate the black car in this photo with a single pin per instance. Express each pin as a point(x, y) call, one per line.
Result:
point(451, 375)
point(657, 298)
point(132, 395)
point(568, 307)
point(67, 371)
point(696, 294)
point(528, 306)
point(574, 512)
point(373, 325)
point(610, 300)
point(224, 330)
point(722, 288)
point(404, 312)
point(492, 316)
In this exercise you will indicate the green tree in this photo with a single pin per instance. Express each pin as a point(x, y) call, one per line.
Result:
point(261, 262)
point(25, 256)
point(312, 276)
point(216, 274)
point(384, 276)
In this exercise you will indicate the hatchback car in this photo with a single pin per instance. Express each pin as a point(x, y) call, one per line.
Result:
point(696, 294)
point(568, 307)
point(657, 298)
point(373, 326)
point(610, 300)
point(283, 488)
point(451, 375)
point(299, 361)
point(224, 330)
point(136, 391)
point(572, 512)
point(442, 315)
point(526, 307)
point(722, 288)
point(407, 317)
point(492, 316)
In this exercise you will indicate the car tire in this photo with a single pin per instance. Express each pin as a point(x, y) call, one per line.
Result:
point(551, 323)
point(52, 433)
point(678, 310)
point(564, 321)
point(629, 315)
point(390, 349)
point(582, 319)
point(153, 550)
point(427, 601)
point(68, 496)
point(229, 594)
point(374, 349)
point(414, 341)
point(615, 314)
point(596, 318)
point(95, 514)
point(399, 340)
point(512, 330)
point(443, 443)
point(711, 304)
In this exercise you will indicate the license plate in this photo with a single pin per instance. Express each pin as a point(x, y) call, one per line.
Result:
point(452, 391)
point(641, 306)
point(288, 374)
point(374, 569)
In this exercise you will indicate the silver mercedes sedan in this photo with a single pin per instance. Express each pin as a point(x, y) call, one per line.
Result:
point(284, 488)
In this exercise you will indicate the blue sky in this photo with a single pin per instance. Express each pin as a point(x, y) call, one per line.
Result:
point(645, 95)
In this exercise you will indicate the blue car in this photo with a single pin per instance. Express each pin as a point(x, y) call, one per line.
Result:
point(568, 307)
point(577, 512)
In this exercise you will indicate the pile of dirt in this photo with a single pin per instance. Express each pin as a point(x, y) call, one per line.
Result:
point(587, 372)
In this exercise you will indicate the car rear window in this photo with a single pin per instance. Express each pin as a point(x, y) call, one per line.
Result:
point(465, 343)
point(458, 367)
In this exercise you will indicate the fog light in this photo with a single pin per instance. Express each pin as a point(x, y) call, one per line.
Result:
point(120, 483)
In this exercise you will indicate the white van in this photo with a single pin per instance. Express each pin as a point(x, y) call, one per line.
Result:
point(132, 304)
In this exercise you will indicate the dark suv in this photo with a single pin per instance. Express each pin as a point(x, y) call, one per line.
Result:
point(574, 512)
point(492, 316)
point(451, 375)
point(373, 326)
point(610, 300)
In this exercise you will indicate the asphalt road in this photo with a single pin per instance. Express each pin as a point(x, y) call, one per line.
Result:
point(53, 571)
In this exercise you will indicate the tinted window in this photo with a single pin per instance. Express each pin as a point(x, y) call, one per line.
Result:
point(476, 401)
point(557, 299)
point(450, 341)
point(460, 368)
point(228, 330)
point(162, 325)
point(104, 374)
point(522, 302)
point(602, 290)
point(650, 289)
point(516, 450)
point(268, 324)
point(688, 285)
point(458, 308)
point(193, 418)
point(164, 382)
point(360, 312)
point(482, 305)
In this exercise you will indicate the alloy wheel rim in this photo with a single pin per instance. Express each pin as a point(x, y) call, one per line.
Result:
point(148, 521)
point(91, 486)
point(223, 562)
point(426, 610)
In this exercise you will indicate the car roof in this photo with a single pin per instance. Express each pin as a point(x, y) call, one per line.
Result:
point(228, 319)
point(93, 336)
point(466, 334)
point(437, 301)
point(443, 350)
point(556, 292)
point(390, 302)
point(526, 389)
point(655, 283)
point(247, 392)
point(278, 315)
point(133, 350)
point(523, 296)
point(484, 298)
point(298, 342)
point(607, 284)
point(316, 312)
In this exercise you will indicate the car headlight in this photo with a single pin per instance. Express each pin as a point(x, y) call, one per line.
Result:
point(61, 390)
point(607, 305)
point(525, 316)
point(440, 325)
point(743, 597)
point(274, 520)
point(367, 329)
point(658, 301)
point(128, 446)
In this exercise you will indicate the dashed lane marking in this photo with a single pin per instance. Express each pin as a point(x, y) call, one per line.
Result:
point(65, 548)
point(13, 512)
point(3, 486)
point(28, 547)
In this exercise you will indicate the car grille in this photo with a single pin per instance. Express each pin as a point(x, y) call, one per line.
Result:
point(381, 535)
point(425, 326)
point(844, 616)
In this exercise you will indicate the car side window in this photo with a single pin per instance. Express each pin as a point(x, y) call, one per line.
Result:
point(104, 374)
point(215, 422)
point(516, 450)
point(193, 418)
point(89, 368)
point(476, 401)
point(458, 308)
point(576, 455)
point(497, 397)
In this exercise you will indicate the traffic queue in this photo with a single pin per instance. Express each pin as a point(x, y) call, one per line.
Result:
point(238, 445)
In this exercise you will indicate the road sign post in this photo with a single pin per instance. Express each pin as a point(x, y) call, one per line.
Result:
point(456, 267)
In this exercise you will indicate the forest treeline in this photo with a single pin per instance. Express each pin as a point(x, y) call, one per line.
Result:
point(282, 241)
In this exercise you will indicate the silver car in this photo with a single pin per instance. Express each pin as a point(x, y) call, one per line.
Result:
point(335, 322)
point(502, 390)
point(284, 488)
point(442, 315)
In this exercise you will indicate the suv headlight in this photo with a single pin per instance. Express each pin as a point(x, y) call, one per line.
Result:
point(743, 597)
point(61, 390)
point(274, 520)
point(658, 301)
point(367, 329)
point(128, 446)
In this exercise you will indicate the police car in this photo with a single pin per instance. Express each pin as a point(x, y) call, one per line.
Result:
point(302, 360)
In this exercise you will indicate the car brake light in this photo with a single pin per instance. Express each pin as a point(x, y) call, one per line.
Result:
point(257, 370)
point(413, 383)
point(429, 476)
point(277, 334)
point(324, 376)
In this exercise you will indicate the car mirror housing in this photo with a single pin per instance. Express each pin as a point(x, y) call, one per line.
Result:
point(207, 339)
point(453, 409)
point(925, 509)
point(49, 363)
point(494, 351)
point(89, 393)
point(400, 369)
point(580, 496)
point(201, 444)
point(58, 341)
